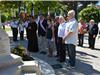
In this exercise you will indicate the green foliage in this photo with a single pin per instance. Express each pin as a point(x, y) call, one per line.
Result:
point(9, 8)
point(88, 13)
point(3, 18)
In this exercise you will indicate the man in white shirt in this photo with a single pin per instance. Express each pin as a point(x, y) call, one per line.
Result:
point(14, 27)
point(70, 37)
point(26, 22)
point(21, 29)
point(61, 45)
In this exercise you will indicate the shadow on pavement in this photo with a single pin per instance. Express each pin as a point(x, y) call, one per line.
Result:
point(81, 69)
point(97, 49)
point(83, 54)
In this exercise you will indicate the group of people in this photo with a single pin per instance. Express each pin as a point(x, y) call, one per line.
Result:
point(92, 30)
point(17, 26)
point(61, 32)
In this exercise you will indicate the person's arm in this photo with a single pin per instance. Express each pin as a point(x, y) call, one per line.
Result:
point(72, 29)
point(53, 35)
point(95, 32)
point(88, 28)
point(67, 35)
point(46, 26)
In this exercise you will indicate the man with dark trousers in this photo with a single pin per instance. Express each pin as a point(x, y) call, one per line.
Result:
point(92, 31)
point(14, 27)
point(70, 38)
point(61, 45)
point(56, 25)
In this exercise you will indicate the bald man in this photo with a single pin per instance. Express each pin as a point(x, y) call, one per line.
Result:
point(70, 38)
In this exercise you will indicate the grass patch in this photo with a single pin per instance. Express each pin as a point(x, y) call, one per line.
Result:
point(7, 29)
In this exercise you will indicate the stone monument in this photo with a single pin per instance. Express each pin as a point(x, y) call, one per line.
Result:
point(11, 64)
point(4, 43)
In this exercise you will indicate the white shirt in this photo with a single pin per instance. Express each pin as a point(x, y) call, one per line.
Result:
point(21, 27)
point(99, 25)
point(26, 24)
point(61, 29)
point(14, 24)
point(72, 26)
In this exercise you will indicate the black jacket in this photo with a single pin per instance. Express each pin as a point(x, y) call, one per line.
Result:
point(40, 29)
point(93, 30)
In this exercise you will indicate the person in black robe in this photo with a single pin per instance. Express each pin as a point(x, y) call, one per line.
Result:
point(32, 36)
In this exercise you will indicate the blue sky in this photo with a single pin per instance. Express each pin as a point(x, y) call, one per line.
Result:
point(98, 3)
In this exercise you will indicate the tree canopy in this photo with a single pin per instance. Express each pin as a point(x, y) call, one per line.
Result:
point(90, 12)
point(10, 8)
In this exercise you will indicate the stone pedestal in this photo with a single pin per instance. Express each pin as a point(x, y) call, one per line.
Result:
point(6, 58)
point(4, 43)
point(11, 64)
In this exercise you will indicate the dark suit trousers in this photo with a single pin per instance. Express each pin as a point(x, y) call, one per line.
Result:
point(81, 39)
point(91, 41)
point(22, 35)
point(56, 43)
point(61, 49)
point(15, 33)
point(71, 54)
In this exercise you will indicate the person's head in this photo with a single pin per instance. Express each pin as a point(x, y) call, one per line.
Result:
point(81, 20)
point(71, 14)
point(61, 19)
point(14, 18)
point(91, 22)
point(49, 21)
point(57, 19)
point(42, 17)
point(31, 18)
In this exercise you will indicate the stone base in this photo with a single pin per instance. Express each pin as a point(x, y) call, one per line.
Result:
point(13, 65)
point(11, 70)
point(8, 60)
point(30, 67)
point(28, 74)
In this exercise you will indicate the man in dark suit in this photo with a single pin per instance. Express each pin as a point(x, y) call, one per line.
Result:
point(93, 31)
point(42, 27)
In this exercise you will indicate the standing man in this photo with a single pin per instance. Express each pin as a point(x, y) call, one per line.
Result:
point(93, 31)
point(70, 37)
point(26, 22)
point(56, 25)
point(61, 45)
point(42, 28)
point(21, 29)
point(14, 27)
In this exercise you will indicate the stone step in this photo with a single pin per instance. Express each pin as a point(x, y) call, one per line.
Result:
point(96, 65)
point(28, 74)
point(9, 60)
point(11, 70)
point(30, 67)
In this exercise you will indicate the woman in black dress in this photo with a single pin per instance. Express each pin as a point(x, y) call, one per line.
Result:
point(32, 35)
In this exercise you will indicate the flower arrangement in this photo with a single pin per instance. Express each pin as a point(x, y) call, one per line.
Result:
point(21, 51)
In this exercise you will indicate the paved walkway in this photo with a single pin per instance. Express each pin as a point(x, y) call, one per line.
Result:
point(87, 62)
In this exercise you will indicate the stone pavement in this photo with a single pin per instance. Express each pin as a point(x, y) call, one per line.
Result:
point(87, 62)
